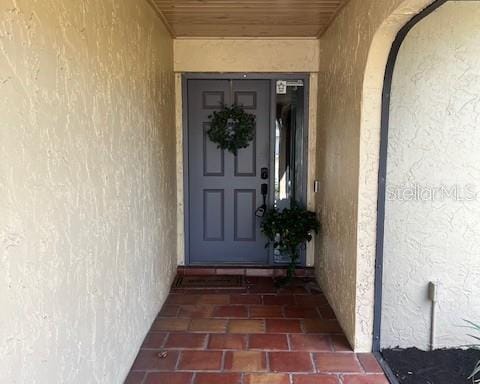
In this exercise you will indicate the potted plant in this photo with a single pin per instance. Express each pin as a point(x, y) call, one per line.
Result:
point(476, 370)
point(288, 230)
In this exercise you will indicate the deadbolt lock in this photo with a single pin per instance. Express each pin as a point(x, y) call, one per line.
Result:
point(264, 173)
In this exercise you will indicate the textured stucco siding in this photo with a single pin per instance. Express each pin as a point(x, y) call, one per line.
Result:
point(434, 138)
point(246, 55)
point(353, 55)
point(87, 186)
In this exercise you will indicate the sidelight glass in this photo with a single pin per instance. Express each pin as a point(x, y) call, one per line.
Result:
point(289, 144)
point(289, 149)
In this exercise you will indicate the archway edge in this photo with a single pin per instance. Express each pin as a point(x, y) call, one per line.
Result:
point(372, 163)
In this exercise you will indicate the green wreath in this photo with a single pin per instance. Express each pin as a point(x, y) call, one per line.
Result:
point(231, 128)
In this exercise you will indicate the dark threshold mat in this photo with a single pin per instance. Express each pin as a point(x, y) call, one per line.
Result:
point(443, 366)
point(193, 282)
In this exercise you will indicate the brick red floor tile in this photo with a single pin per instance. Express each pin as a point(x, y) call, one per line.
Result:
point(268, 342)
point(208, 325)
point(291, 362)
point(218, 378)
point(170, 378)
point(169, 311)
point(260, 289)
point(293, 290)
point(246, 326)
point(199, 271)
point(321, 326)
point(283, 326)
point(340, 343)
point(315, 379)
point(259, 272)
point(214, 299)
point(327, 313)
point(265, 311)
point(230, 271)
point(278, 299)
point(311, 300)
point(337, 362)
point(186, 340)
point(152, 360)
point(196, 311)
point(154, 340)
point(170, 324)
point(369, 363)
point(209, 291)
point(289, 337)
point(260, 281)
point(200, 360)
point(280, 272)
point(267, 378)
point(245, 299)
point(231, 311)
point(245, 361)
point(227, 341)
point(180, 298)
point(301, 312)
point(364, 379)
point(310, 342)
point(135, 378)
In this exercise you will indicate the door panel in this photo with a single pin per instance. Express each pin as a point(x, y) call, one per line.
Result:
point(224, 190)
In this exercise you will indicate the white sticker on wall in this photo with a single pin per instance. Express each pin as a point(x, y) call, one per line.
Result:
point(281, 87)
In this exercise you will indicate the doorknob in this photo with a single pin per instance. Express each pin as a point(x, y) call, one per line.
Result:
point(260, 212)
point(264, 191)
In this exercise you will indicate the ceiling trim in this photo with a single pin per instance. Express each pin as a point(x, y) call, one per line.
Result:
point(163, 18)
point(172, 33)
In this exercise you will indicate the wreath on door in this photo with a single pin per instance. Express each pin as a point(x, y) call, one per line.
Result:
point(231, 128)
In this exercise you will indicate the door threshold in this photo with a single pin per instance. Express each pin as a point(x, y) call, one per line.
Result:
point(242, 270)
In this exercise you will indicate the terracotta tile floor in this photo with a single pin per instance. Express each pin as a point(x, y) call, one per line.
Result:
point(255, 335)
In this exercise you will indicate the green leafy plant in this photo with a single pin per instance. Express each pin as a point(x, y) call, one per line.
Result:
point(288, 230)
point(231, 128)
point(476, 371)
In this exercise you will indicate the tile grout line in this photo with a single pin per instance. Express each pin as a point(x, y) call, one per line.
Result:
point(145, 374)
point(359, 363)
point(165, 339)
point(267, 362)
point(312, 358)
point(207, 341)
point(177, 364)
point(222, 361)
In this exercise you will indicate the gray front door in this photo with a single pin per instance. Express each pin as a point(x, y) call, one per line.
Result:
point(224, 190)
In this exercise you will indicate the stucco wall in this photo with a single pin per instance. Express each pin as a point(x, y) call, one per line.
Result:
point(433, 143)
point(353, 55)
point(87, 186)
point(246, 55)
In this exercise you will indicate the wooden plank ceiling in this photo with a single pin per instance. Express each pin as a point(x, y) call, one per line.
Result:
point(247, 18)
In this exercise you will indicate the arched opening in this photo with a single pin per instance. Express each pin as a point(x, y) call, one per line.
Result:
point(427, 239)
point(393, 28)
